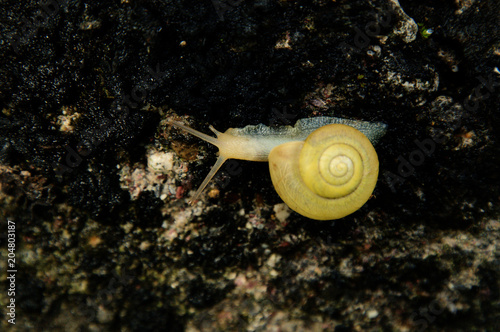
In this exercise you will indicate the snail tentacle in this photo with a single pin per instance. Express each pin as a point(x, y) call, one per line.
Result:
point(197, 133)
point(220, 161)
point(323, 168)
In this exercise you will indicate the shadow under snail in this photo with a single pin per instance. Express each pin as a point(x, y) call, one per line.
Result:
point(323, 168)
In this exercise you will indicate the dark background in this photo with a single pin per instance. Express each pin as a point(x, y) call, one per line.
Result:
point(421, 254)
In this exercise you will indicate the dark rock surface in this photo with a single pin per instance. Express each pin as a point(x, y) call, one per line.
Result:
point(104, 238)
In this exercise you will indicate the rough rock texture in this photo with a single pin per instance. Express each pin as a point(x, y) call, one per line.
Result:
point(97, 182)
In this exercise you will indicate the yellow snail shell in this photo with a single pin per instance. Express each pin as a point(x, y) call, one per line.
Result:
point(323, 168)
point(329, 175)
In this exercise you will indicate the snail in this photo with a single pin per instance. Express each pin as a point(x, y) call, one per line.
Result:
point(323, 168)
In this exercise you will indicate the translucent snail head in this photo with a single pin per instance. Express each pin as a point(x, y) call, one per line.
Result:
point(323, 168)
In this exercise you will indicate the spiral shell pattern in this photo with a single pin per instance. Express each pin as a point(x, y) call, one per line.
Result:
point(334, 175)
point(332, 165)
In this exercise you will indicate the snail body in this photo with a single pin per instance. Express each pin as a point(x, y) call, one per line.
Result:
point(323, 168)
